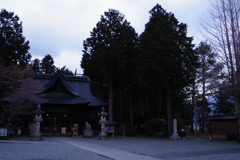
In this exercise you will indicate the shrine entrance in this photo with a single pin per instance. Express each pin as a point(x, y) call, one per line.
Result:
point(55, 119)
point(61, 118)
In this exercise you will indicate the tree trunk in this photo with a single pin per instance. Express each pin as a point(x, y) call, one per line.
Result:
point(169, 109)
point(120, 106)
point(146, 105)
point(130, 106)
point(160, 104)
point(110, 100)
point(202, 118)
point(193, 106)
point(204, 105)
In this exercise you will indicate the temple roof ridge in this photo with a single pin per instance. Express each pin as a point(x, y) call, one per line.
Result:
point(59, 77)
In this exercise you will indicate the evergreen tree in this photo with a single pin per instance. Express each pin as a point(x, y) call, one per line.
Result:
point(65, 70)
point(167, 57)
point(47, 65)
point(208, 75)
point(36, 65)
point(14, 47)
point(106, 52)
point(224, 104)
point(126, 79)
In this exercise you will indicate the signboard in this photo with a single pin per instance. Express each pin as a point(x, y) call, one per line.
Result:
point(75, 129)
point(109, 129)
point(3, 132)
point(225, 127)
point(63, 129)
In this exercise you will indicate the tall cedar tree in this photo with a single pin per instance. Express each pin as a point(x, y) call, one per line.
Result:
point(47, 65)
point(126, 79)
point(36, 65)
point(166, 56)
point(104, 54)
point(14, 47)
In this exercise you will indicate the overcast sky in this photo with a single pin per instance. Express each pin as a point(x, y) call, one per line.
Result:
point(58, 27)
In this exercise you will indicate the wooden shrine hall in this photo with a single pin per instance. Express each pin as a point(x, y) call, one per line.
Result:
point(66, 100)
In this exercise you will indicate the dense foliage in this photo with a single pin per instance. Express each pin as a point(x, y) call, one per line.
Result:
point(166, 59)
point(149, 78)
point(46, 65)
point(13, 46)
point(14, 63)
point(108, 52)
point(16, 90)
point(143, 77)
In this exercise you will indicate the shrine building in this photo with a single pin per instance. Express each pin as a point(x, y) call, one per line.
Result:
point(66, 100)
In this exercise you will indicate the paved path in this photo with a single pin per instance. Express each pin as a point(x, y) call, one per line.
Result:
point(119, 148)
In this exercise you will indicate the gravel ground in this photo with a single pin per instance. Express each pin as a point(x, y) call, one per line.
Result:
point(44, 150)
point(197, 148)
point(56, 148)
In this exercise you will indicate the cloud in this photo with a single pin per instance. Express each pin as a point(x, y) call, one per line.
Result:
point(70, 59)
point(58, 27)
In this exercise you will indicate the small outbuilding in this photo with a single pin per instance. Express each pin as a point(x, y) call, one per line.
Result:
point(228, 125)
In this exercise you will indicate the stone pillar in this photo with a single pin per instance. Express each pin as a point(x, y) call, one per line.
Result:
point(175, 135)
point(175, 127)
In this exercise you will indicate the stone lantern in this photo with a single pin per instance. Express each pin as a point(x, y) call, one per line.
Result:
point(35, 133)
point(102, 121)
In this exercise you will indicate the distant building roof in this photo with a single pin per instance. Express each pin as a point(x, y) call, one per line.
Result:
point(63, 89)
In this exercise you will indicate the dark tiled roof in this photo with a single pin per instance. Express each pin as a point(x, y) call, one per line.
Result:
point(63, 89)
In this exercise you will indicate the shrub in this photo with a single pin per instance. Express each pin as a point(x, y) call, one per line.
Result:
point(150, 127)
point(119, 131)
point(161, 127)
point(129, 132)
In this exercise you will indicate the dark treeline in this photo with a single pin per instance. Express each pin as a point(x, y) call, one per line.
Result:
point(15, 61)
point(144, 76)
point(159, 74)
point(46, 65)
